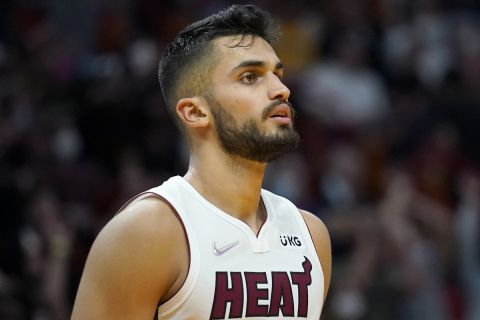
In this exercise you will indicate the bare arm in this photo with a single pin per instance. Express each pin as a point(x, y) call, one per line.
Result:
point(137, 261)
point(321, 240)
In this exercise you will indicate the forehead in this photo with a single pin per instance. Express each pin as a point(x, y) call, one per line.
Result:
point(251, 48)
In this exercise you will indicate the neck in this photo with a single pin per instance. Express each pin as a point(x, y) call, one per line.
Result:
point(230, 183)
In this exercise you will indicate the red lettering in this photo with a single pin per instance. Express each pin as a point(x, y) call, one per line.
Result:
point(224, 295)
point(303, 280)
point(254, 294)
point(282, 297)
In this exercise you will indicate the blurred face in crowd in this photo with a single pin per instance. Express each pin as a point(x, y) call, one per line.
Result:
point(249, 102)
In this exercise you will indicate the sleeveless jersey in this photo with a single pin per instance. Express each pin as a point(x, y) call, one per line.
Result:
point(236, 274)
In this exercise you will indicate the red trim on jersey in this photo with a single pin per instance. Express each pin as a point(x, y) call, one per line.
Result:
point(265, 220)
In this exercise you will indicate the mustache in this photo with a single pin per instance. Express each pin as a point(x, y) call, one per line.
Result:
point(273, 105)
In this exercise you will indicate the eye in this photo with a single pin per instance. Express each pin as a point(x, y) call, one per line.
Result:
point(249, 78)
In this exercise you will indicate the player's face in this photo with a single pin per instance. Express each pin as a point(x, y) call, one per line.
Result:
point(252, 115)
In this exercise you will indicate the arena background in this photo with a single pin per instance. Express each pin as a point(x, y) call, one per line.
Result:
point(388, 100)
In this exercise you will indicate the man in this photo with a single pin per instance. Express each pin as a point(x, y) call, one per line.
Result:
point(213, 244)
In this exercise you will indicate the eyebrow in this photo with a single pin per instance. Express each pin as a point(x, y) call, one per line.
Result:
point(256, 63)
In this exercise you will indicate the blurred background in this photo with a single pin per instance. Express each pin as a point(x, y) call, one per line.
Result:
point(388, 97)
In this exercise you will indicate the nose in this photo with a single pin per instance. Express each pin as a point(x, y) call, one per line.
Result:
point(278, 90)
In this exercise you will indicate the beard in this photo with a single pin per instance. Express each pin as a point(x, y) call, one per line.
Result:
point(248, 140)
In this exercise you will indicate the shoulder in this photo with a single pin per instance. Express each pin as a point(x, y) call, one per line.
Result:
point(317, 228)
point(319, 233)
point(147, 217)
point(321, 240)
point(315, 225)
point(135, 261)
point(139, 223)
point(145, 232)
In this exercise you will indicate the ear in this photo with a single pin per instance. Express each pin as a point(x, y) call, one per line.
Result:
point(193, 112)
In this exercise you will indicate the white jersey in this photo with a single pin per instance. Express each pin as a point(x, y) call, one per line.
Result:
point(237, 274)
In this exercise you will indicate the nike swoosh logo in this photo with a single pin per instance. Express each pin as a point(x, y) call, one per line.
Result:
point(219, 251)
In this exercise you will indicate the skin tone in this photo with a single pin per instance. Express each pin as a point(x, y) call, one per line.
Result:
point(244, 92)
point(245, 81)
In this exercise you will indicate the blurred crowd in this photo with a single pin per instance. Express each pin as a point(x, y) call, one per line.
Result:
point(388, 101)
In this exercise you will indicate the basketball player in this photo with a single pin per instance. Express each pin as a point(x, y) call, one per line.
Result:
point(213, 244)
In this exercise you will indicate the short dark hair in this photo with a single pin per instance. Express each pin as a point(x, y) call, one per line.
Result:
point(179, 65)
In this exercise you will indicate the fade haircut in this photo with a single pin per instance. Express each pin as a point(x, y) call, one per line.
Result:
point(185, 67)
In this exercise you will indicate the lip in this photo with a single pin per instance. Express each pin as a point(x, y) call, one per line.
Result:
point(282, 120)
point(281, 113)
